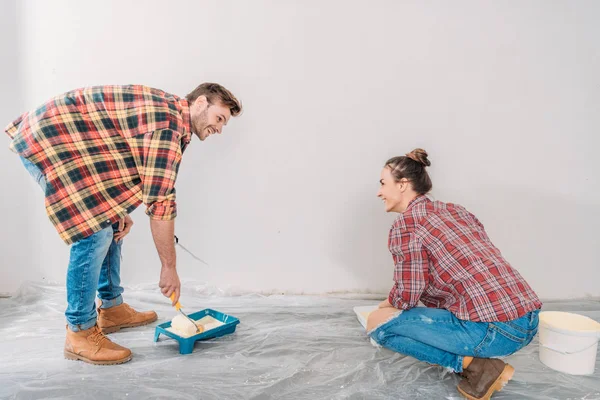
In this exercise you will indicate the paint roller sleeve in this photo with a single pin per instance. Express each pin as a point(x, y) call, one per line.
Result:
point(184, 327)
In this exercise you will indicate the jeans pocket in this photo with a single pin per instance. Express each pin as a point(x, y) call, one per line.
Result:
point(501, 341)
point(481, 349)
point(511, 333)
point(514, 327)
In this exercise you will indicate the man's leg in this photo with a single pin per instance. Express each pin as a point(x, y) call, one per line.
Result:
point(113, 314)
point(84, 339)
point(109, 285)
point(87, 256)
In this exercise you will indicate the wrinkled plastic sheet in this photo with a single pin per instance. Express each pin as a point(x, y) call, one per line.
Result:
point(286, 347)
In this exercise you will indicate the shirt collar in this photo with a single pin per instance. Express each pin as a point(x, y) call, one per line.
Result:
point(419, 199)
point(187, 123)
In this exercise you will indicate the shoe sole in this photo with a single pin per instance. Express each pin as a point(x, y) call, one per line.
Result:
point(77, 357)
point(117, 328)
point(505, 376)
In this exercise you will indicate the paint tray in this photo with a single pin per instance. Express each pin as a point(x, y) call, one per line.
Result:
point(186, 344)
point(362, 314)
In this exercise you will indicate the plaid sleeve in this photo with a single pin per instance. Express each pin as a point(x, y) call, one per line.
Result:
point(411, 268)
point(13, 127)
point(159, 166)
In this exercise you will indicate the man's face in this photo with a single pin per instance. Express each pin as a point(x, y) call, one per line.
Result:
point(208, 119)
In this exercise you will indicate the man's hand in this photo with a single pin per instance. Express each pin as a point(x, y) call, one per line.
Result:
point(169, 283)
point(125, 225)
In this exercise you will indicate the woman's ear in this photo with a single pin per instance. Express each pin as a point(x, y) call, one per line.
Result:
point(403, 184)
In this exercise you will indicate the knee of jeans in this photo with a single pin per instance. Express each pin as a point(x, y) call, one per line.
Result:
point(380, 334)
point(377, 335)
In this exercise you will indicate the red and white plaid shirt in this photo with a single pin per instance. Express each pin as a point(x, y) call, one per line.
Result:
point(103, 151)
point(445, 259)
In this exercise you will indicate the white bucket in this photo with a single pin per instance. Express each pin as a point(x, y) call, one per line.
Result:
point(568, 342)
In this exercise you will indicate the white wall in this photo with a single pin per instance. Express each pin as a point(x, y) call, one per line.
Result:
point(505, 96)
point(16, 243)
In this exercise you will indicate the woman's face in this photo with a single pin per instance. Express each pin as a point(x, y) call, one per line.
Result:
point(390, 191)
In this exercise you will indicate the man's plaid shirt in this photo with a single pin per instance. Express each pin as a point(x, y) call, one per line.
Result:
point(103, 151)
point(445, 259)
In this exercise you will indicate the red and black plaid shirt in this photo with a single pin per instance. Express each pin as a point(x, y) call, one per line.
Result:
point(445, 259)
point(103, 151)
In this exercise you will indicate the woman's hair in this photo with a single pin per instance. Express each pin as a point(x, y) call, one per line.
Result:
point(412, 167)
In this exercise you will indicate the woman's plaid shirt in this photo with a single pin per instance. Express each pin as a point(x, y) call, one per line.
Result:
point(103, 151)
point(445, 259)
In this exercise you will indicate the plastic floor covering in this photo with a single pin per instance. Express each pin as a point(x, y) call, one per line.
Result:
point(286, 347)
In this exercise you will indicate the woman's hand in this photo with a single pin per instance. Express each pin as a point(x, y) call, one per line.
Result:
point(385, 304)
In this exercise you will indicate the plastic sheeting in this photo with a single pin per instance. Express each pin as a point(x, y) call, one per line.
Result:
point(286, 347)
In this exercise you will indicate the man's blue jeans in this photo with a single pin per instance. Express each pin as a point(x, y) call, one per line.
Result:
point(94, 264)
point(436, 336)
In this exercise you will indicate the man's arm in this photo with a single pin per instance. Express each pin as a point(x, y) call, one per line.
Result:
point(163, 233)
point(157, 156)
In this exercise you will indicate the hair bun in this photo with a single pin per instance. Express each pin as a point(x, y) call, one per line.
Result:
point(420, 156)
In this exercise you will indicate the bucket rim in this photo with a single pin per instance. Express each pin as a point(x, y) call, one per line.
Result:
point(566, 331)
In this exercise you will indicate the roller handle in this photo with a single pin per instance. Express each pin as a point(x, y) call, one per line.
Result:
point(177, 305)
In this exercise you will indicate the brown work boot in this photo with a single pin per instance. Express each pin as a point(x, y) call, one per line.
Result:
point(483, 377)
point(93, 347)
point(123, 316)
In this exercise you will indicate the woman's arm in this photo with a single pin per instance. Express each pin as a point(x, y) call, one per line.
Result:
point(411, 269)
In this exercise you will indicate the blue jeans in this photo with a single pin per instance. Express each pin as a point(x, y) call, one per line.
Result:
point(94, 264)
point(436, 336)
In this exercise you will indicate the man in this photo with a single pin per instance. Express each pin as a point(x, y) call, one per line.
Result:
point(98, 153)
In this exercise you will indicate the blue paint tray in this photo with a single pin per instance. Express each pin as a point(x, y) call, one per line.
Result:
point(186, 345)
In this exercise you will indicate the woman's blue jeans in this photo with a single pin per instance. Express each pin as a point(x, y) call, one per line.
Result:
point(436, 336)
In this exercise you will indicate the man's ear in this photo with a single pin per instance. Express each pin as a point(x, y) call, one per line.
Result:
point(201, 101)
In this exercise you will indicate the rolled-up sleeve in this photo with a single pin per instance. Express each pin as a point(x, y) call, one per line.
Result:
point(164, 210)
point(411, 268)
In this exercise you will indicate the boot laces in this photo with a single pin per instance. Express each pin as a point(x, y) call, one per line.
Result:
point(98, 337)
point(129, 309)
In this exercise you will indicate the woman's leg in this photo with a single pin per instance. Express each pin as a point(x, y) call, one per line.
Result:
point(432, 335)
point(438, 337)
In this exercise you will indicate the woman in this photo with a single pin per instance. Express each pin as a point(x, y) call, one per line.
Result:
point(478, 306)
